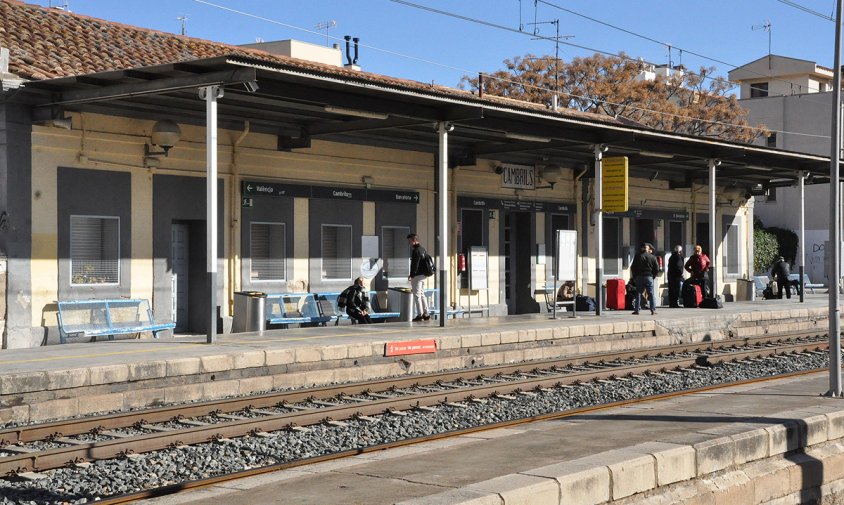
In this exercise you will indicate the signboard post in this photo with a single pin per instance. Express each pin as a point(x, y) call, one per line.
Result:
point(478, 274)
point(614, 184)
point(565, 266)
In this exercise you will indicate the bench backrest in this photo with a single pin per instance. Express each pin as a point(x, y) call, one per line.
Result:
point(375, 302)
point(327, 303)
point(760, 282)
point(433, 296)
point(77, 316)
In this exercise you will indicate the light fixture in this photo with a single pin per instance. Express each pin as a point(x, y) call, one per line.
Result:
point(165, 134)
point(551, 174)
point(655, 154)
point(355, 112)
point(367, 181)
point(761, 169)
point(251, 86)
point(526, 137)
point(64, 123)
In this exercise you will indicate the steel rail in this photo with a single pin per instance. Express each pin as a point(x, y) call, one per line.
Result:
point(92, 424)
point(54, 458)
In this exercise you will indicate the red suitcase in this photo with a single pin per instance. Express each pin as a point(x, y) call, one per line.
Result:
point(615, 294)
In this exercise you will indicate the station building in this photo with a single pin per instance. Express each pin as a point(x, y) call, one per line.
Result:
point(322, 171)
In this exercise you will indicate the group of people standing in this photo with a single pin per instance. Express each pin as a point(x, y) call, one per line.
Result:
point(645, 268)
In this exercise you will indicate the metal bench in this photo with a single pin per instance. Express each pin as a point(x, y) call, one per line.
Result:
point(432, 295)
point(760, 282)
point(294, 308)
point(94, 318)
point(327, 303)
point(376, 312)
point(551, 303)
point(795, 281)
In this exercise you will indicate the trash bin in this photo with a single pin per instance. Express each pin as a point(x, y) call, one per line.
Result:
point(402, 298)
point(745, 290)
point(249, 312)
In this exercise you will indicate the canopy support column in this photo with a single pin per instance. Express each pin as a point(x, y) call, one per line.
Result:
point(835, 219)
point(713, 247)
point(599, 228)
point(442, 215)
point(802, 237)
point(211, 94)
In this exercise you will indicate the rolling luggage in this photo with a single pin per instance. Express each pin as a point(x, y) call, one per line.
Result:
point(692, 295)
point(615, 294)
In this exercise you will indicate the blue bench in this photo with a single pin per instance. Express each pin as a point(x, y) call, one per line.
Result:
point(327, 303)
point(433, 298)
point(376, 312)
point(294, 308)
point(94, 318)
point(795, 280)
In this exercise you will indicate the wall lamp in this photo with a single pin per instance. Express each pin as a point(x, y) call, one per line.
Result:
point(355, 112)
point(526, 137)
point(165, 134)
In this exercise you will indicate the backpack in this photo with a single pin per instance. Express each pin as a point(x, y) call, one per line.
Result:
point(429, 267)
point(345, 297)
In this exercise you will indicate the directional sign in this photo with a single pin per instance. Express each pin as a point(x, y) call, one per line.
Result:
point(614, 184)
point(383, 195)
point(253, 188)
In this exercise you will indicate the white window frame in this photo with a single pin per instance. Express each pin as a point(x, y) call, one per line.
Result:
point(70, 239)
point(323, 275)
point(388, 263)
point(252, 256)
point(727, 244)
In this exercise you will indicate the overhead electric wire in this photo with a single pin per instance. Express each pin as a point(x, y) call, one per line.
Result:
point(806, 9)
point(467, 71)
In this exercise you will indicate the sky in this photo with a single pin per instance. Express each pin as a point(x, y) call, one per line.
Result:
point(404, 41)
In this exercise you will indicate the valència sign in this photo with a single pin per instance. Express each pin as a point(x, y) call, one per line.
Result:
point(518, 177)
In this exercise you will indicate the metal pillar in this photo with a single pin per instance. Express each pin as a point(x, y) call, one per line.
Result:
point(442, 211)
point(713, 247)
point(802, 237)
point(210, 94)
point(835, 219)
point(599, 228)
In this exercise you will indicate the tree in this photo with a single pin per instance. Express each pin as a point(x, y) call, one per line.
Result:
point(695, 104)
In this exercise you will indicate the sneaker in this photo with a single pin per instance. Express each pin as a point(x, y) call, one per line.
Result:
point(653, 312)
point(416, 319)
point(635, 312)
point(426, 317)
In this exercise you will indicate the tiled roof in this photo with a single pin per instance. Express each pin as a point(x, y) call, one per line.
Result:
point(49, 43)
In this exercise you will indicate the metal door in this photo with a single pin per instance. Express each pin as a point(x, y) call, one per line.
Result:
point(180, 282)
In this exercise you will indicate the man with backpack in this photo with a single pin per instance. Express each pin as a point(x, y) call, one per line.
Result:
point(356, 302)
point(420, 268)
point(780, 271)
point(644, 268)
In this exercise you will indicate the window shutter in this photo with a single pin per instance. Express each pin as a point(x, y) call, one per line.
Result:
point(94, 250)
point(268, 252)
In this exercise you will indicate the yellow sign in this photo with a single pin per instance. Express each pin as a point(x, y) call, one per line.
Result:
point(614, 184)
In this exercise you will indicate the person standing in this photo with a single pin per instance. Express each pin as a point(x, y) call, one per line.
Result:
point(697, 265)
point(644, 269)
point(780, 271)
point(675, 276)
point(357, 302)
point(417, 277)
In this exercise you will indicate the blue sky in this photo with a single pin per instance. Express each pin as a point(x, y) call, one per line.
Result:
point(718, 29)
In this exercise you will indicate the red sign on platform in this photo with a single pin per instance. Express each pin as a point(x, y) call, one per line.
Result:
point(412, 347)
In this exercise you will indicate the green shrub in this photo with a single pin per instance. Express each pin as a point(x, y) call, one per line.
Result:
point(765, 249)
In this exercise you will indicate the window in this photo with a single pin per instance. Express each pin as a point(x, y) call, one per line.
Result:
point(759, 90)
point(612, 246)
point(772, 195)
point(268, 252)
point(675, 236)
point(771, 141)
point(336, 252)
point(395, 251)
point(731, 246)
point(94, 250)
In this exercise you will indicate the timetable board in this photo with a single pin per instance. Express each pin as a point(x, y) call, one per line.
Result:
point(566, 255)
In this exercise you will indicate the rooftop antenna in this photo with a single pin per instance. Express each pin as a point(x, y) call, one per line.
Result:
point(184, 20)
point(768, 27)
point(555, 99)
point(326, 26)
point(63, 7)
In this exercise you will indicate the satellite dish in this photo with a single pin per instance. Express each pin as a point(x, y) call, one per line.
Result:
point(370, 267)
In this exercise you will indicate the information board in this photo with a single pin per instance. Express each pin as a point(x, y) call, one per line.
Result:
point(566, 255)
point(614, 184)
point(478, 268)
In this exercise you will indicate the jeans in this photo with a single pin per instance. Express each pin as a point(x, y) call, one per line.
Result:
point(675, 288)
point(417, 285)
point(644, 282)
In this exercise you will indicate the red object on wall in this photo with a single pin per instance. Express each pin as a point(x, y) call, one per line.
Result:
point(461, 262)
point(616, 290)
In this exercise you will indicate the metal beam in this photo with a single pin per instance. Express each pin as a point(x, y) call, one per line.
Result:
point(362, 125)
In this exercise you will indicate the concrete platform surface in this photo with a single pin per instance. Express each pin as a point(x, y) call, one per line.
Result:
point(723, 443)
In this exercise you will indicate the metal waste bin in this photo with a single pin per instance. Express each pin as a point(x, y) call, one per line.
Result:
point(249, 312)
point(402, 298)
point(745, 290)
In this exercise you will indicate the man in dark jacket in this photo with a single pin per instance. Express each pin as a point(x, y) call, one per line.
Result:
point(675, 276)
point(417, 277)
point(357, 302)
point(780, 272)
point(644, 269)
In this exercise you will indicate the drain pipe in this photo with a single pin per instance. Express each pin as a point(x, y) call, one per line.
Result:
point(235, 224)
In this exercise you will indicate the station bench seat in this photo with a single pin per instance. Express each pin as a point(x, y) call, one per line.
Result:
point(795, 280)
point(294, 308)
point(327, 304)
point(432, 295)
point(106, 317)
point(376, 312)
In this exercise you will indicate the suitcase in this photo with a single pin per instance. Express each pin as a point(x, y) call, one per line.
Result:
point(692, 295)
point(616, 291)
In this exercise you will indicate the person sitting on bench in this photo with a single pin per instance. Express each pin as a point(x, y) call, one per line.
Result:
point(357, 302)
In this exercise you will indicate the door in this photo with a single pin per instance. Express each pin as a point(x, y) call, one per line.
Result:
point(180, 281)
point(518, 250)
point(645, 232)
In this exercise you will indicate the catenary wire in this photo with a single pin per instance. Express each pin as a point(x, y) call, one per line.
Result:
point(807, 10)
point(467, 71)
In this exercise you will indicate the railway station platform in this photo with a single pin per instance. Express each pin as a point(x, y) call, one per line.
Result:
point(40, 384)
point(776, 442)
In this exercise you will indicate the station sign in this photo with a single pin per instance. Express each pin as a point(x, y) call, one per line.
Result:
point(614, 184)
point(425, 346)
point(518, 177)
point(332, 193)
point(383, 195)
point(253, 188)
point(517, 205)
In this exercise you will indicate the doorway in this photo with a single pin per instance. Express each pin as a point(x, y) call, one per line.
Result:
point(519, 240)
point(645, 232)
point(188, 281)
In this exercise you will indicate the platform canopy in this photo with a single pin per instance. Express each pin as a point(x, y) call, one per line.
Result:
point(300, 102)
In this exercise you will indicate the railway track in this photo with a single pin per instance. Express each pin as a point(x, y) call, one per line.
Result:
point(41, 447)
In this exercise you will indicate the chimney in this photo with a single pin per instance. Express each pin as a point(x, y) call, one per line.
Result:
point(351, 63)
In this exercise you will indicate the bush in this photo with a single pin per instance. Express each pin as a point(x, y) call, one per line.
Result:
point(765, 249)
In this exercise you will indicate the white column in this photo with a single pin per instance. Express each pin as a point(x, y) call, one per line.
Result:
point(835, 219)
point(599, 228)
point(713, 247)
point(802, 237)
point(442, 215)
point(210, 94)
